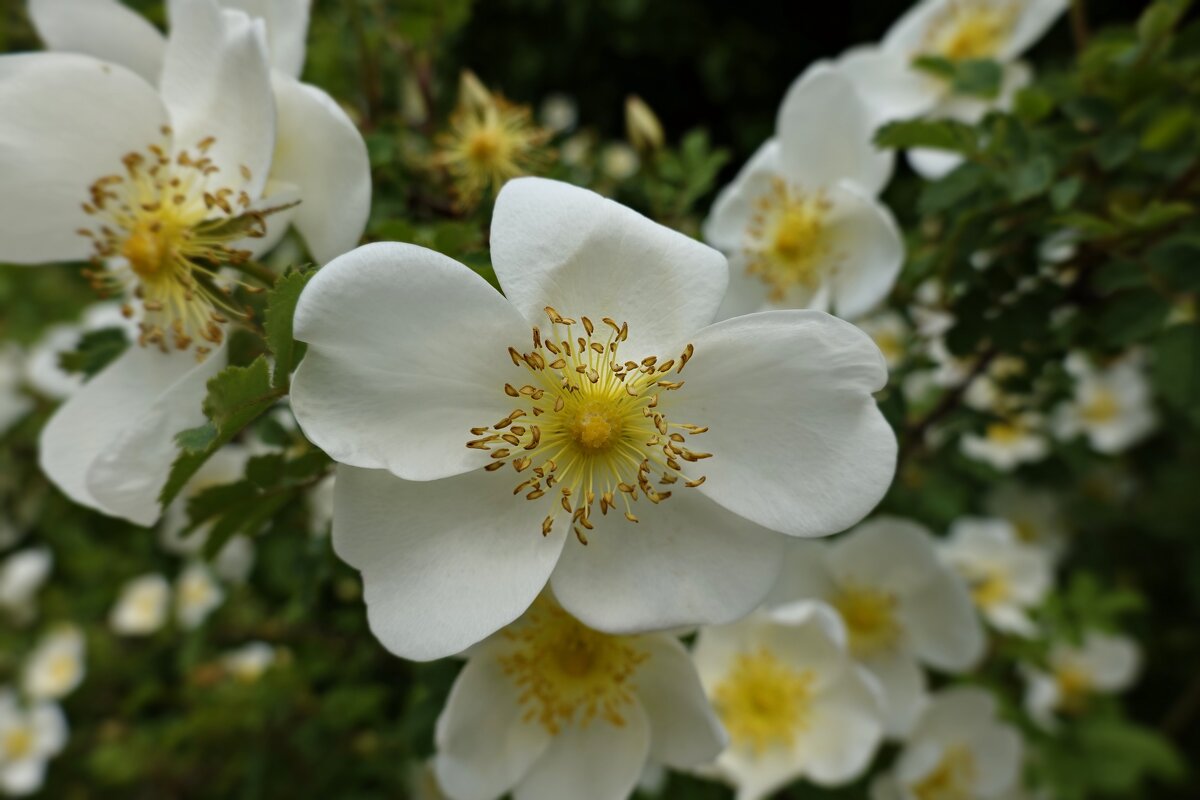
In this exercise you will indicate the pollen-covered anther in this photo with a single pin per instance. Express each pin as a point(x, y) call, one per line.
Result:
point(789, 246)
point(164, 227)
point(597, 428)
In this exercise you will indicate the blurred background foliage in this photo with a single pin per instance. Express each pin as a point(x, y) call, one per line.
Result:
point(1105, 144)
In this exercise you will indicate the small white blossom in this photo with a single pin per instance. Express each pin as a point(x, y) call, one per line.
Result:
point(559, 112)
point(1035, 514)
point(197, 594)
point(21, 576)
point(142, 607)
point(1112, 407)
point(1102, 664)
point(1007, 578)
point(29, 738)
point(14, 404)
point(56, 666)
point(248, 662)
point(1008, 442)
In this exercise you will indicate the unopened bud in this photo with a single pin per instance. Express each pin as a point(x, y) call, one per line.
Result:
point(642, 127)
point(471, 91)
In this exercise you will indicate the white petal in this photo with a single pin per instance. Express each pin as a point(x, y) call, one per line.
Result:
point(216, 82)
point(1114, 661)
point(687, 562)
point(105, 29)
point(558, 245)
point(941, 623)
point(484, 745)
point(65, 121)
point(445, 563)
point(825, 134)
point(746, 293)
point(110, 446)
point(904, 688)
point(868, 240)
point(889, 87)
point(805, 574)
point(997, 759)
point(798, 443)
point(726, 225)
point(287, 28)
point(956, 714)
point(885, 553)
point(22, 777)
point(846, 729)
point(933, 165)
point(908, 34)
point(684, 731)
point(407, 352)
point(319, 150)
point(51, 727)
point(1036, 17)
point(599, 761)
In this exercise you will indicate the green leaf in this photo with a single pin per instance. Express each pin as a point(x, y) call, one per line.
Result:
point(1030, 178)
point(1065, 192)
point(1033, 104)
point(979, 77)
point(1177, 260)
point(1173, 124)
point(1132, 316)
point(952, 190)
point(1176, 371)
point(941, 134)
point(95, 351)
point(281, 309)
point(236, 396)
point(1119, 274)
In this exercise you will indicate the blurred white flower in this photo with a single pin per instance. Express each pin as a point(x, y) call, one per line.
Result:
point(21, 576)
point(791, 698)
point(619, 161)
point(1007, 578)
point(559, 112)
point(958, 751)
point(575, 150)
point(248, 662)
point(13, 403)
point(1008, 442)
point(1036, 515)
point(986, 392)
point(142, 607)
point(235, 560)
point(42, 369)
point(549, 708)
point(29, 738)
point(197, 594)
point(56, 666)
point(890, 333)
point(1102, 664)
point(1112, 407)
point(901, 605)
point(800, 223)
point(606, 484)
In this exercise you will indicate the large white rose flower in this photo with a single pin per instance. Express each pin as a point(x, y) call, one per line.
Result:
point(791, 698)
point(471, 451)
point(1113, 407)
point(1007, 578)
point(548, 708)
point(901, 606)
point(29, 737)
point(1102, 664)
point(800, 223)
point(957, 750)
point(56, 666)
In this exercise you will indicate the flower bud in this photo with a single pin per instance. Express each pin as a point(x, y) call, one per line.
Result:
point(642, 127)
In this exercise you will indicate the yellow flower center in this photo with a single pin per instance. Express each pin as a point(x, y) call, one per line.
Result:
point(990, 588)
point(1074, 687)
point(970, 29)
point(489, 143)
point(789, 242)
point(870, 617)
point(763, 702)
point(1005, 433)
point(567, 672)
point(63, 669)
point(588, 427)
point(1102, 407)
point(890, 345)
point(164, 227)
point(1027, 531)
point(952, 779)
point(18, 743)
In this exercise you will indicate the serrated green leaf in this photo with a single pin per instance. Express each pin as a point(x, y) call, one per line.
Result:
point(941, 134)
point(281, 309)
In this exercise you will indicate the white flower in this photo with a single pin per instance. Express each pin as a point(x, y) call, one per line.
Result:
point(957, 30)
point(21, 576)
point(235, 560)
point(1112, 407)
point(56, 666)
point(197, 594)
point(800, 223)
point(1102, 664)
point(901, 606)
point(1035, 514)
point(890, 333)
point(549, 708)
point(319, 153)
point(141, 609)
point(1008, 442)
point(619, 161)
point(958, 751)
point(28, 739)
point(792, 700)
point(42, 369)
point(423, 381)
point(13, 403)
point(248, 662)
point(559, 112)
point(986, 392)
point(1007, 578)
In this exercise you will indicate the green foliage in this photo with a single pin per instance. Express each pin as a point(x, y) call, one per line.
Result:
point(95, 351)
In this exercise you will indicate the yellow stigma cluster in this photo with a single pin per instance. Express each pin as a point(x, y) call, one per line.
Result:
point(1074, 687)
point(163, 230)
point(588, 429)
point(489, 142)
point(968, 29)
point(989, 587)
point(1101, 407)
point(952, 779)
point(568, 673)
point(871, 618)
point(17, 743)
point(763, 702)
point(789, 245)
